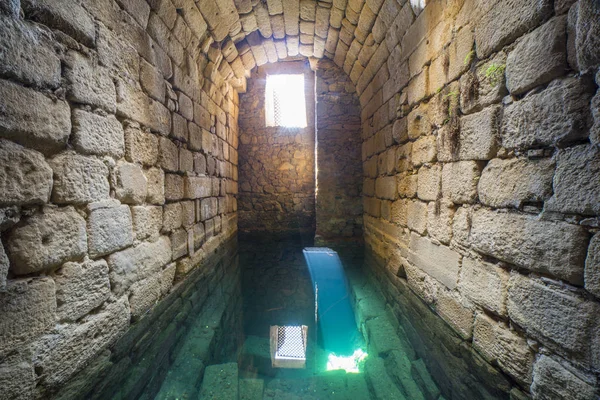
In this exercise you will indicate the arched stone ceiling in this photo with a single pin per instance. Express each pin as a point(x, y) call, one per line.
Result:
point(358, 35)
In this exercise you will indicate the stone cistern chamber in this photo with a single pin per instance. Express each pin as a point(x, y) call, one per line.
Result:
point(165, 164)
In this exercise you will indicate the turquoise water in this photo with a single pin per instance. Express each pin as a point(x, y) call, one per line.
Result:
point(209, 339)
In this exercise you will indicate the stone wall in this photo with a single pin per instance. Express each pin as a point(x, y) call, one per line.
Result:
point(277, 175)
point(339, 168)
point(118, 167)
point(481, 162)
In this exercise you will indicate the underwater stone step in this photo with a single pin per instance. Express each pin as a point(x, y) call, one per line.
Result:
point(220, 382)
point(399, 367)
point(381, 336)
point(423, 379)
point(251, 389)
point(383, 386)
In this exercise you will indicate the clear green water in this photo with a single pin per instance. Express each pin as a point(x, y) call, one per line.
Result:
point(209, 339)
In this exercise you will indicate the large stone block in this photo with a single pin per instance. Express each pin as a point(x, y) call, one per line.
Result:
point(554, 381)
point(168, 156)
point(575, 181)
point(156, 186)
point(485, 284)
point(438, 261)
point(592, 266)
point(27, 54)
point(70, 18)
point(89, 83)
point(81, 288)
point(416, 216)
point(144, 295)
point(386, 187)
point(586, 14)
point(208, 208)
point(130, 183)
point(480, 88)
point(109, 228)
point(27, 310)
point(505, 21)
point(46, 240)
point(552, 247)
point(498, 344)
point(540, 57)
point(140, 147)
point(439, 220)
point(70, 347)
point(512, 182)
point(424, 150)
point(17, 377)
point(147, 221)
point(135, 263)
point(552, 314)
point(172, 217)
point(429, 182)
point(196, 187)
point(152, 81)
point(459, 181)
point(97, 135)
point(33, 119)
point(25, 177)
point(558, 115)
point(78, 179)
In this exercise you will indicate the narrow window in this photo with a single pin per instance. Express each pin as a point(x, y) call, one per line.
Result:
point(284, 101)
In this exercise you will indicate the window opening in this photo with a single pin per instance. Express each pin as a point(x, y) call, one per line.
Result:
point(285, 104)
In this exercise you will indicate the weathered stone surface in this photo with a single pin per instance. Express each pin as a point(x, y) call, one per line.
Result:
point(477, 139)
point(438, 261)
point(32, 119)
point(173, 187)
point(109, 228)
point(208, 208)
point(78, 179)
point(429, 182)
point(540, 57)
point(575, 182)
point(439, 220)
point(46, 240)
point(172, 217)
point(480, 88)
point(140, 147)
point(498, 344)
point(135, 263)
point(27, 54)
point(80, 288)
point(129, 182)
point(551, 313)
point(416, 216)
point(25, 177)
point(67, 17)
point(4, 265)
point(90, 83)
point(152, 81)
point(587, 33)
point(485, 284)
point(168, 155)
point(179, 243)
point(147, 221)
point(68, 348)
point(592, 266)
point(552, 247)
point(196, 187)
point(558, 115)
point(133, 103)
point(97, 135)
point(424, 150)
point(144, 295)
point(27, 310)
point(17, 377)
point(156, 186)
point(512, 182)
point(554, 381)
point(459, 181)
point(385, 187)
point(506, 21)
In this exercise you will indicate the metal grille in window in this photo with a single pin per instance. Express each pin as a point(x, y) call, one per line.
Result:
point(277, 109)
point(290, 342)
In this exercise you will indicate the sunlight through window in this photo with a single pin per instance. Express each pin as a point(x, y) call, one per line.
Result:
point(284, 102)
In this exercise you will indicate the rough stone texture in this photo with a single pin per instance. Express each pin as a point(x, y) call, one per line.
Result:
point(68, 348)
point(587, 33)
point(510, 183)
point(130, 183)
point(17, 378)
point(140, 147)
point(144, 295)
point(552, 314)
point(575, 188)
point(25, 177)
point(78, 179)
point(27, 310)
point(439, 261)
point(498, 344)
point(133, 264)
point(459, 181)
point(80, 288)
point(439, 221)
point(540, 57)
point(459, 316)
point(147, 221)
point(109, 228)
point(557, 115)
point(96, 134)
point(553, 381)
point(552, 247)
point(477, 140)
point(592, 266)
point(416, 216)
point(4, 265)
point(46, 240)
point(32, 119)
point(429, 183)
point(90, 83)
point(156, 185)
point(485, 284)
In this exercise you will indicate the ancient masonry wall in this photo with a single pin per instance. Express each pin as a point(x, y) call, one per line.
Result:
point(277, 164)
point(339, 168)
point(118, 175)
point(481, 157)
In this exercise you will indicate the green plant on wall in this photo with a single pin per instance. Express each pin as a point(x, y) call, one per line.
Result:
point(494, 73)
point(452, 99)
point(469, 57)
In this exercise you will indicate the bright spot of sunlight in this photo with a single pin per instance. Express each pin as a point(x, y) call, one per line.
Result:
point(284, 101)
point(350, 364)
